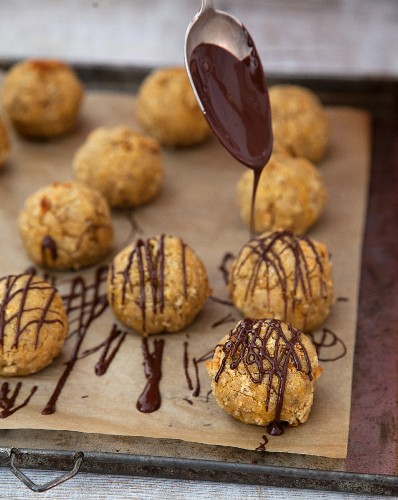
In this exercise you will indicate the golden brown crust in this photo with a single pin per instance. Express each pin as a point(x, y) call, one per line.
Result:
point(157, 285)
point(291, 195)
point(34, 325)
point(66, 226)
point(281, 275)
point(42, 97)
point(299, 122)
point(125, 166)
point(167, 108)
point(247, 400)
point(4, 143)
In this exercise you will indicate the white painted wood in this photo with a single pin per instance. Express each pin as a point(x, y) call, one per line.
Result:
point(312, 36)
point(91, 486)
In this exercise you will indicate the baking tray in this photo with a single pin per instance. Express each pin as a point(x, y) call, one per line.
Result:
point(371, 466)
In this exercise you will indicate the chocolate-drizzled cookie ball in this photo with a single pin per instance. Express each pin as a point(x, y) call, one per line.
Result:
point(66, 225)
point(157, 285)
point(42, 97)
point(299, 122)
point(291, 195)
point(125, 166)
point(264, 373)
point(284, 276)
point(34, 324)
point(167, 108)
point(4, 143)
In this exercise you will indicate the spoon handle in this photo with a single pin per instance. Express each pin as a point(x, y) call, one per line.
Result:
point(207, 4)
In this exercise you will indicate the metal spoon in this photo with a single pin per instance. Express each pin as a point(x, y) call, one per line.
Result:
point(218, 28)
point(232, 92)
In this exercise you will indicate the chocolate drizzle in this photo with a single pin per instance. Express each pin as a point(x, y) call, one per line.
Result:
point(228, 318)
point(17, 288)
point(262, 446)
point(102, 365)
point(196, 362)
point(186, 366)
point(7, 401)
point(221, 301)
point(227, 258)
point(150, 398)
point(84, 304)
point(330, 342)
point(265, 352)
point(268, 250)
point(150, 258)
point(49, 250)
point(106, 359)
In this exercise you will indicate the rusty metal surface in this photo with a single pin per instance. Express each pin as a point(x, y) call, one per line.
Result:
point(372, 462)
point(373, 445)
point(209, 470)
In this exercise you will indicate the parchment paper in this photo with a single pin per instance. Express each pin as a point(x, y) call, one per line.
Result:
point(198, 204)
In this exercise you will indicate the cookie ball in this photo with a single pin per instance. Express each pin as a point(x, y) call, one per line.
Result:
point(4, 143)
point(157, 285)
point(299, 122)
point(285, 276)
point(125, 166)
point(167, 108)
point(66, 226)
point(291, 195)
point(264, 373)
point(34, 324)
point(42, 98)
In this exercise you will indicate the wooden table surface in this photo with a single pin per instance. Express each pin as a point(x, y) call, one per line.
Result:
point(353, 37)
point(92, 486)
point(328, 37)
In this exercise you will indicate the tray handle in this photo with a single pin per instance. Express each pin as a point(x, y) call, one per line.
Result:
point(15, 456)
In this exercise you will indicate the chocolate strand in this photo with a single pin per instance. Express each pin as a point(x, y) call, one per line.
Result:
point(7, 402)
point(105, 360)
point(150, 399)
point(88, 302)
point(12, 290)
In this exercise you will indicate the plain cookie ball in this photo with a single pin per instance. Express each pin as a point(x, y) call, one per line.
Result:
point(285, 276)
point(252, 381)
point(4, 143)
point(124, 165)
point(157, 285)
point(299, 122)
point(291, 195)
point(42, 98)
point(167, 108)
point(66, 226)
point(34, 324)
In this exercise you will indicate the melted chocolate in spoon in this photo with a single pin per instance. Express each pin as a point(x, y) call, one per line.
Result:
point(234, 97)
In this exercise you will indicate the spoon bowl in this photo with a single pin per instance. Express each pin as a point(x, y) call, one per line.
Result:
point(227, 78)
point(219, 28)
